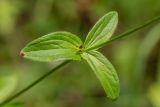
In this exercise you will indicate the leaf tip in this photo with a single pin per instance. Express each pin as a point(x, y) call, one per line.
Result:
point(114, 99)
point(114, 12)
point(22, 54)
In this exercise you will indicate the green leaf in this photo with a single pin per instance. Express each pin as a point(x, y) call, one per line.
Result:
point(54, 46)
point(102, 30)
point(105, 72)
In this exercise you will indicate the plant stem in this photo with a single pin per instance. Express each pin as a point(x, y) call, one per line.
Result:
point(33, 84)
point(127, 33)
point(66, 62)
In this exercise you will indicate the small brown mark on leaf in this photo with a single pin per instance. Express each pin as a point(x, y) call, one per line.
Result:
point(22, 54)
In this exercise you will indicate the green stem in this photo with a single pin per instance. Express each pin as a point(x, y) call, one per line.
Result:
point(127, 33)
point(33, 84)
point(64, 63)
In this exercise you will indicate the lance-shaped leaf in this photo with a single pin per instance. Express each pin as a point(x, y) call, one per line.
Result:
point(54, 46)
point(105, 73)
point(102, 30)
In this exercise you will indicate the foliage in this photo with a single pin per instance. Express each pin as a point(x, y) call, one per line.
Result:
point(64, 45)
point(22, 21)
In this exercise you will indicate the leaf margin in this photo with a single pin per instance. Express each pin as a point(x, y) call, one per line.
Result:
point(72, 40)
point(92, 36)
point(86, 56)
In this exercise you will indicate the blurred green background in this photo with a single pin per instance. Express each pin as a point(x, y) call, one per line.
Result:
point(136, 58)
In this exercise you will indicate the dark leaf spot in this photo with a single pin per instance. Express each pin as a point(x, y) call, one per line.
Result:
point(22, 54)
